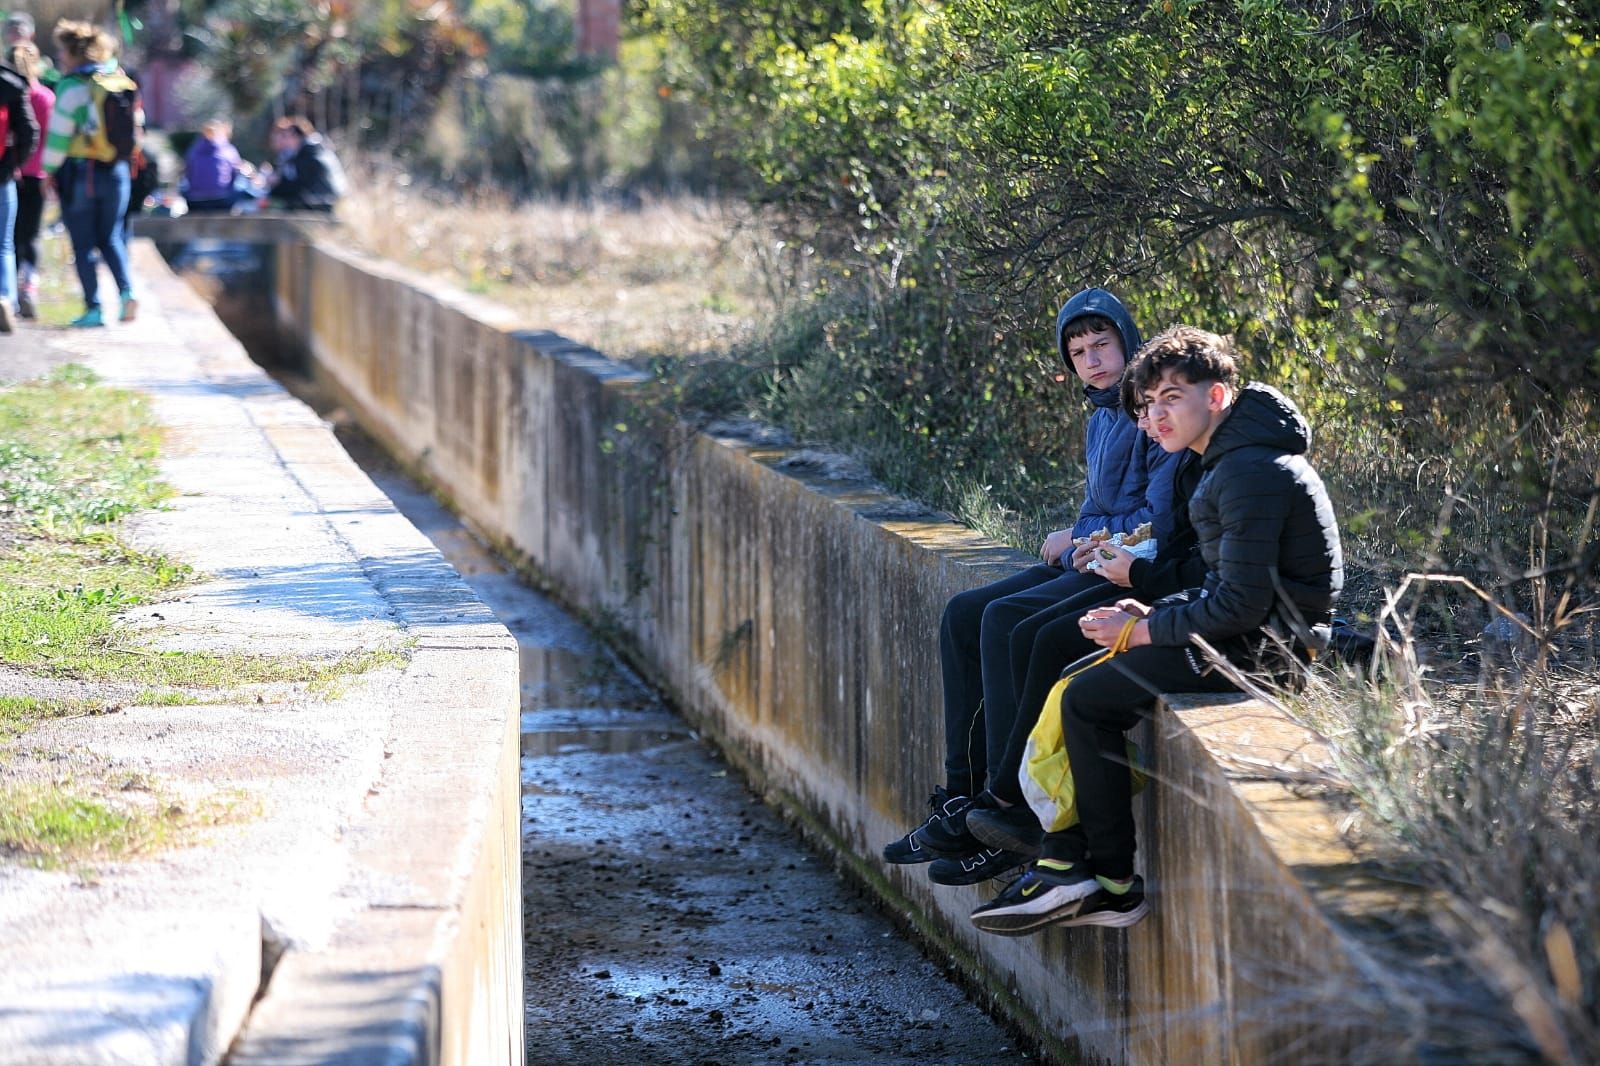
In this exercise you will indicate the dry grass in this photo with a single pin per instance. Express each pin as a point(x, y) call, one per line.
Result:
point(677, 276)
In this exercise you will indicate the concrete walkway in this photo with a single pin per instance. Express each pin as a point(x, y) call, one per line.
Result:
point(353, 831)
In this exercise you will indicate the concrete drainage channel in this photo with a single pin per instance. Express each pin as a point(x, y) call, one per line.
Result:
point(670, 915)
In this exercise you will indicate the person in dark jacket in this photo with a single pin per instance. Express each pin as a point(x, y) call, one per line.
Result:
point(22, 133)
point(308, 177)
point(1129, 484)
point(1274, 569)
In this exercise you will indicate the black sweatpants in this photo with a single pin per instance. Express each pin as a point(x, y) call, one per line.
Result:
point(30, 210)
point(1097, 709)
point(1042, 646)
point(975, 659)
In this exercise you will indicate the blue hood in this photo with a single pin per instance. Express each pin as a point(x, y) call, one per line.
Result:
point(1097, 302)
point(1129, 477)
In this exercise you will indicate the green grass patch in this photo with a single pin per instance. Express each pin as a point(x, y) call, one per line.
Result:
point(51, 825)
point(76, 456)
point(48, 825)
point(18, 712)
point(154, 698)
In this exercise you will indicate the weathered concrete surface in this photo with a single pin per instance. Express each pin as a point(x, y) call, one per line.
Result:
point(794, 614)
point(371, 851)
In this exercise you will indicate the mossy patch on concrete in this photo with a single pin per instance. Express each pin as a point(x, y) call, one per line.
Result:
point(67, 823)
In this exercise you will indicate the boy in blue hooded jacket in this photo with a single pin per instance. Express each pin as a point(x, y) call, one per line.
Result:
point(1129, 483)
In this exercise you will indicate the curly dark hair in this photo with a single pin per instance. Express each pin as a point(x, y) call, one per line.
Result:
point(1191, 354)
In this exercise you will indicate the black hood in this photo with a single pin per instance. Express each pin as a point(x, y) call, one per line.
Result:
point(1264, 417)
point(1097, 302)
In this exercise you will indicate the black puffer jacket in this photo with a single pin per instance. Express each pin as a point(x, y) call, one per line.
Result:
point(1266, 531)
point(311, 180)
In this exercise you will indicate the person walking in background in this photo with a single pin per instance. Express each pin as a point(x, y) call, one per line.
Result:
point(214, 177)
point(308, 176)
point(21, 132)
point(93, 134)
point(26, 60)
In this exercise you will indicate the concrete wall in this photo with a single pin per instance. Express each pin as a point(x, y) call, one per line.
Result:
point(794, 616)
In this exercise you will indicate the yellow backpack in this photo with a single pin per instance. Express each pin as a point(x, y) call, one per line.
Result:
point(111, 131)
point(1046, 776)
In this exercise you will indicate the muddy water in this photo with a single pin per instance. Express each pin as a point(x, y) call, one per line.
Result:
point(670, 916)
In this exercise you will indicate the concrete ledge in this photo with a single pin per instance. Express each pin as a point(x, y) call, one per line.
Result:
point(792, 612)
point(365, 904)
point(271, 227)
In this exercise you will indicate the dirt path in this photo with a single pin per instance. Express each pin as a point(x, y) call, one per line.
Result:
point(670, 916)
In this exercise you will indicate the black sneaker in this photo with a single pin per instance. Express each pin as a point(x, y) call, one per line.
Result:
point(1007, 828)
point(907, 849)
point(947, 837)
point(987, 863)
point(1106, 908)
point(1038, 898)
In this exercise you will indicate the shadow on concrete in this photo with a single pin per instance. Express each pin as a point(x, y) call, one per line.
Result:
point(407, 1001)
point(134, 1017)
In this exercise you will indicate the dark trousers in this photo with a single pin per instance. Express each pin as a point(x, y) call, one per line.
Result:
point(30, 210)
point(975, 658)
point(1098, 708)
point(1042, 646)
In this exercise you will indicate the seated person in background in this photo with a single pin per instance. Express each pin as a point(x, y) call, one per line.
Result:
point(308, 177)
point(214, 177)
point(1274, 569)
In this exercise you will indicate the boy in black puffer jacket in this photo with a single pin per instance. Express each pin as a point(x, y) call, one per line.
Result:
point(1274, 568)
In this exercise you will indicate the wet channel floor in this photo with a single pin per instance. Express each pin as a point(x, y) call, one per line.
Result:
point(670, 916)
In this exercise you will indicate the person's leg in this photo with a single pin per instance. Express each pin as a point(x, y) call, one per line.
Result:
point(1044, 645)
point(963, 734)
point(1084, 875)
point(79, 217)
point(1041, 646)
point(30, 210)
point(966, 758)
point(1097, 709)
point(8, 257)
point(112, 189)
point(1000, 618)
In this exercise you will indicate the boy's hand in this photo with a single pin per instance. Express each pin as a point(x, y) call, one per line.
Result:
point(1055, 546)
point(1104, 624)
point(1112, 562)
point(1082, 554)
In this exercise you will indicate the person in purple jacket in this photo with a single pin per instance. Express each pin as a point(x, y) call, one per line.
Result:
point(215, 178)
point(1129, 484)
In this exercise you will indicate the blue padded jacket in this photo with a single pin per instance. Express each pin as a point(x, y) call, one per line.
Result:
point(1129, 475)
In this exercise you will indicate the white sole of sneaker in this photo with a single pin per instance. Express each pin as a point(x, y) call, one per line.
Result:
point(1113, 919)
point(1047, 908)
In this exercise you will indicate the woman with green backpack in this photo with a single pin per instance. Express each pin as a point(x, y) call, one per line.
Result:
point(89, 149)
